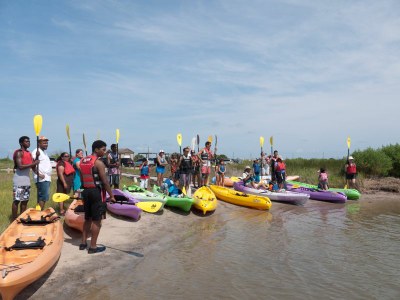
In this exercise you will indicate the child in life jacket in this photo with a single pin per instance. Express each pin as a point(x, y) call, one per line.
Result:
point(323, 179)
point(280, 172)
point(174, 190)
point(144, 174)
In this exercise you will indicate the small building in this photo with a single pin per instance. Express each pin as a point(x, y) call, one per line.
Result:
point(126, 153)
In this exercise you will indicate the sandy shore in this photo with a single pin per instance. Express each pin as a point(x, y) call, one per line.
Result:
point(128, 242)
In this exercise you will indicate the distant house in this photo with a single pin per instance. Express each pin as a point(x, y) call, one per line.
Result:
point(126, 153)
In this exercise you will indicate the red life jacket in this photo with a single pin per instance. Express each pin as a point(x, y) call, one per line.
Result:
point(90, 178)
point(68, 168)
point(26, 157)
point(351, 169)
point(280, 166)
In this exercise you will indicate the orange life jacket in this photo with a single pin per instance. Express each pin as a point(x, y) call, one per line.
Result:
point(280, 166)
point(90, 178)
point(68, 168)
point(26, 157)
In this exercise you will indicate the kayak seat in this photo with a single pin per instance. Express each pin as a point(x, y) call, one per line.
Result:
point(23, 245)
point(43, 220)
point(120, 198)
point(79, 208)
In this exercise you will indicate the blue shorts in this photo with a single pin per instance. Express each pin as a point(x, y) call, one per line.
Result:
point(44, 190)
point(160, 169)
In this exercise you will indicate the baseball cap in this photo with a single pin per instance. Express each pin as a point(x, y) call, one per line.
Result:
point(43, 138)
point(351, 157)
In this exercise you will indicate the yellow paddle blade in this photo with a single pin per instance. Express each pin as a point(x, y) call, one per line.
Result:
point(60, 197)
point(209, 138)
point(150, 206)
point(271, 140)
point(179, 139)
point(184, 190)
point(348, 142)
point(261, 141)
point(67, 129)
point(37, 124)
point(117, 134)
point(345, 187)
point(37, 207)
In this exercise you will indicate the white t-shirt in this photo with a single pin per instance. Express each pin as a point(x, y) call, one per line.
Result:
point(44, 165)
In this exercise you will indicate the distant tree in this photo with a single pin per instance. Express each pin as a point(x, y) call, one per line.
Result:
point(138, 157)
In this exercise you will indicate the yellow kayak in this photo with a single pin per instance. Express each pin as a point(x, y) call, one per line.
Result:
point(240, 198)
point(29, 247)
point(204, 199)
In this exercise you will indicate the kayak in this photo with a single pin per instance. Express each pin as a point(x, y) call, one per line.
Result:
point(318, 194)
point(143, 195)
point(29, 247)
point(204, 200)
point(184, 203)
point(351, 194)
point(286, 197)
point(75, 215)
point(292, 177)
point(125, 205)
point(239, 198)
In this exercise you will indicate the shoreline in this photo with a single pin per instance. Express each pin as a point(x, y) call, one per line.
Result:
point(78, 274)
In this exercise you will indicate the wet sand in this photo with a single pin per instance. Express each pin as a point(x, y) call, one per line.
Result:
point(78, 274)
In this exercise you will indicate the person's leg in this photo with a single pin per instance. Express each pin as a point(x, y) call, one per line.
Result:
point(116, 181)
point(142, 183)
point(86, 230)
point(14, 209)
point(95, 230)
point(22, 207)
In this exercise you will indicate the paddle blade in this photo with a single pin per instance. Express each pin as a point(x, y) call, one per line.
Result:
point(150, 206)
point(209, 138)
point(117, 134)
point(348, 142)
point(261, 141)
point(60, 197)
point(271, 140)
point(198, 140)
point(179, 139)
point(37, 207)
point(37, 124)
point(67, 129)
point(184, 190)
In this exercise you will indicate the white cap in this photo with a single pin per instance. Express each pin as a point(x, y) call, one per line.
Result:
point(161, 151)
point(351, 157)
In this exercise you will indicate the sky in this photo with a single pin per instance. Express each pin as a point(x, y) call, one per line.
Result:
point(308, 73)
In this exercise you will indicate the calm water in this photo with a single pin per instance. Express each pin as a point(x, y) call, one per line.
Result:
point(320, 251)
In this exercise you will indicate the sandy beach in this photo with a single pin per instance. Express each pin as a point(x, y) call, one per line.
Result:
point(78, 274)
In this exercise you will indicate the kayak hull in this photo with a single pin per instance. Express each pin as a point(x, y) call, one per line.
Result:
point(286, 197)
point(242, 199)
point(205, 200)
point(74, 218)
point(125, 205)
point(351, 194)
point(319, 195)
point(145, 196)
point(183, 203)
point(22, 267)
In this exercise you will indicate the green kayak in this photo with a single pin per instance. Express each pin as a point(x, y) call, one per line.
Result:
point(352, 194)
point(143, 195)
point(184, 203)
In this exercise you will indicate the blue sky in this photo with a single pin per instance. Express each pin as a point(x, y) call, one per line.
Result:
point(310, 73)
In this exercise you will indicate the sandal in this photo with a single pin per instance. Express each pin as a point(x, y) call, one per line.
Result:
point(98, 249)
point(82, 246)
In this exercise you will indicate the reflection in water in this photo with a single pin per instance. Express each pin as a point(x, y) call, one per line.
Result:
point(321, 250)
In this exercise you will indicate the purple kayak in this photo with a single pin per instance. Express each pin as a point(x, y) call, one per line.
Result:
point(320, 195)
point(284, 197)
point(125, 205)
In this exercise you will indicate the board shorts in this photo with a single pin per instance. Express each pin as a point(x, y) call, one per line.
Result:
point(21, 193)
point(43, 190)
point(351, 176)
point(113, 179)
point(280, 177)
point(160, 169)
point(205, 170)
point(93, 205)
point(185, 179)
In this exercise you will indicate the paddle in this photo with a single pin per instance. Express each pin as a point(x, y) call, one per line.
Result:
point(150, 206)
point(69, 140)
point(84, 143)
point(209, 139)
point(271, 142)
point(261, 153)
point(192, 145)
point(117, 139)
point(184, 190)
point(215, 155)
point(348, 154)
point(179, 140)
point(198, 143)
point(37, 125)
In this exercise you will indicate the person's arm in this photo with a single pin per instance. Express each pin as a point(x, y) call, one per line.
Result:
point(101, 169)
point(78, 165)
point(20, 166)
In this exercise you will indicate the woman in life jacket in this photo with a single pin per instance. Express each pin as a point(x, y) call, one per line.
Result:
point(351, 172)
point(65, 174)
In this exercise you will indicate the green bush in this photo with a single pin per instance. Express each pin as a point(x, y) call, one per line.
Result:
point(372, 162)
point(393, 151)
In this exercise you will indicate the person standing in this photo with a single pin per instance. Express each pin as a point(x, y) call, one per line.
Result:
point(257, 170)
point(196, 169)
point(161, 163)
point(65, 174)
point(23, 163)
point(144, 174)
point(272, 165)
point(77, 177)
point(113, 167)
point(95, 184)
point(205, 155)
point(185, 169)
point(221, 169)
point(45, 171)
point(351, 172)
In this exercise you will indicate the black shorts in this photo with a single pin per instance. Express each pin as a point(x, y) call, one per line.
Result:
point(94, 207)
point(351, 176)
point(280, 177)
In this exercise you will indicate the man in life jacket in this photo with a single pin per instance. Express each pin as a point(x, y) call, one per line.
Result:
point(95, 185)
point(351, 172)
point(23, 163)
point(205, 155)
point(280, 172)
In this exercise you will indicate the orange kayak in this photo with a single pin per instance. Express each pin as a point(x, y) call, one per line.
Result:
point(28, 251)
point(74, 216)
